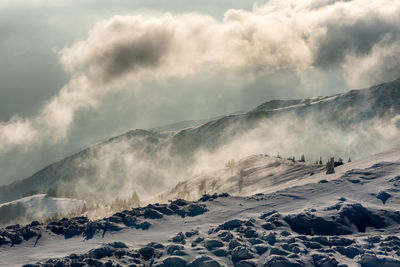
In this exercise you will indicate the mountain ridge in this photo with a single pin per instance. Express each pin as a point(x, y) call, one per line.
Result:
point(341, 109)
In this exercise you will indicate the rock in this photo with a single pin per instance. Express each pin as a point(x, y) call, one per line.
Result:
point(268, 226)
point(373, 239)
point(180, 202)
point(204, 261)
point(198, 240)
point(312, 245)
point(90, 229)
point(250, 233)
point(162, 208)
point(383, 196)
point(93, 262)
point(220, 252)
point(255, 241)
point(191, 233)
point(261, 249)
point(285, 233)
point(211, 244)
point(28, 233)
point(372, 261)
point(245, 263)
point(143, 225)
point(270, 238)
point(278, 261)
point(73, 230)
point(193, 210)
point(309, 224)
point(226, 236)
point(241, 253)
point(4, 240)
point(277, 251)
point(233, 244)
point(174, 261)
point(349, 252)
point(112, 227)
point(361, 217)
point(267, 214)
point(115, 219)
point(16, 239)
point(179, 253)
point(130, 221)
point(232, 224)
point(155, 245)
point(34, 223)
point(99, 253)
point(340, 241)
point(152, 214)
point(118, 245)
point(324, 261)
point(147, 253)
point(179, 238)
point(172, 248)
point(321, 240)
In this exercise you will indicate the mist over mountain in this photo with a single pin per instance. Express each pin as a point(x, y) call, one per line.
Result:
point(200, 133)
point(353, 124)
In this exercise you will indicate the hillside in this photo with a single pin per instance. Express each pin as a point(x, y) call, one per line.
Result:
point(349, 218)
point(169, 157)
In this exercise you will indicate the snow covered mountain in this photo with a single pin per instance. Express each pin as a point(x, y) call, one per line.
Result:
point(37, 207)
point(350, 218)
point(119, 165)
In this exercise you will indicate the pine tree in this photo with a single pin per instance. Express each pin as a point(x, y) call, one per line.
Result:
point(349, 160)
point(302, 159)
point(330, 166)
point(320, 160)
point(240, 181)
point(202, 187)
point(240, 184)
point(134, 200)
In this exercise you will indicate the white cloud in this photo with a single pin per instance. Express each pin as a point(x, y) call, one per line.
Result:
point(295, 36)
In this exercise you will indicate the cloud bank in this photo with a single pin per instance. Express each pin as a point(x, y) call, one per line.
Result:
point(359, 37)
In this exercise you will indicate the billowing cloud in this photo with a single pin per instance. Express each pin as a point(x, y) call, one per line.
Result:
point(381, 65)
point(279, 36)
point(53, 122)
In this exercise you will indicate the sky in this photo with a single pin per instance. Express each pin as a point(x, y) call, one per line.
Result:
point(74, 73)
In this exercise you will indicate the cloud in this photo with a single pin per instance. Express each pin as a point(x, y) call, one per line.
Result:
point(382, 64)
point(53, 122)
point(149, 167)
point(275, 37)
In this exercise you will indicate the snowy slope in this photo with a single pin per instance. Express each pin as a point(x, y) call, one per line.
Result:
point(37, 207)
point(350, 217)
point(251, 175)
point(173, 152)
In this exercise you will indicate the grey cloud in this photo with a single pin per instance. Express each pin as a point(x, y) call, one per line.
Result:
point(129, 55)
point(245, 43)
point(357, 38)
point(248, 45)
point(381, 65)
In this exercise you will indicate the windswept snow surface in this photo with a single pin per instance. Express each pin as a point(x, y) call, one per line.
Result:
point(350, 218)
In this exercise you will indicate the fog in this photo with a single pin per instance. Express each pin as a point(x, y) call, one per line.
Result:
point(144, 67)
point(148, 166)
